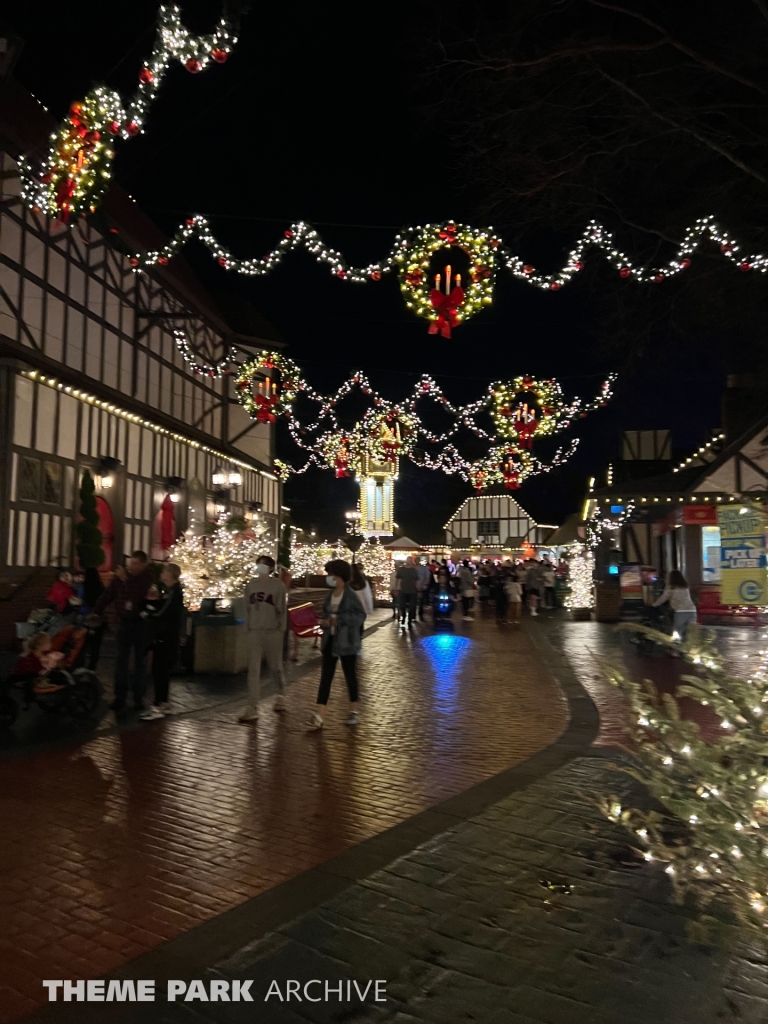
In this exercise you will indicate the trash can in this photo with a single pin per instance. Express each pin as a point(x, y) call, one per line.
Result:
point(221, 637)
point(607, 602)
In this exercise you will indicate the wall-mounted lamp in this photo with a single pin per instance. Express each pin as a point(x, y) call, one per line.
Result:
point(219, 478)
point(105, 471)
point(173, 487)
point(221, 501)
point(235, 478)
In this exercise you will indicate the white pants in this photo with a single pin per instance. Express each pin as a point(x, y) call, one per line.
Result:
point(265, 643)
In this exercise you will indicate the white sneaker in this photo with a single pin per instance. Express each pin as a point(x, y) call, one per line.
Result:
point(467, 618)
point(352, 720)
point(315, 721)
point(280, 703)
point(151, 713)
point(534, 612)
point(248, 714)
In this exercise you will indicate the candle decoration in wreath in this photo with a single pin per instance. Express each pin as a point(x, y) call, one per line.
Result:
point(524, 409)
point(446, 298)
point(385, 435)
point(267, 385)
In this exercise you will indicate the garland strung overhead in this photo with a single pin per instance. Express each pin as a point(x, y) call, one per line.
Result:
point(268, 386)
point(431, 284)
point(78, 168)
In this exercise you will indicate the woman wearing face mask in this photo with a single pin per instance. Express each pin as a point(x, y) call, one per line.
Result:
point(343, 617)
point(266, 603)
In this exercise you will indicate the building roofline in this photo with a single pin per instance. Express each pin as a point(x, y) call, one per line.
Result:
point(31, 361)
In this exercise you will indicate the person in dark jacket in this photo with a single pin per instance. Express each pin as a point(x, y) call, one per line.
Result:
point(342, 621)
point(165, 623)
point(127, 590)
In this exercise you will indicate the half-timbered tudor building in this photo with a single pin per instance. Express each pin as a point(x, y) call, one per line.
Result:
point(92, 375)
point(493, 524)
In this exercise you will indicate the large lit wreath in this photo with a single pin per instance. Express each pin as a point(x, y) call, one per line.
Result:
point(521, 421)
point(447, 300)
point(386, 435)
point(266, 386)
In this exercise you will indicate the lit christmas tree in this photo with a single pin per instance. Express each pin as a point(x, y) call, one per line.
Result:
point(713, 842)
point(581, 567)
point(377, 566)
point(219, 564)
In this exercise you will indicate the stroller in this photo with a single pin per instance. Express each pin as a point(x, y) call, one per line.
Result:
point(443, 605)
point(645, 646)
point(68, 687)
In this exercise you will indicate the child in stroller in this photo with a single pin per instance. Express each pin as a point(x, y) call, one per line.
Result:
point(51, 672)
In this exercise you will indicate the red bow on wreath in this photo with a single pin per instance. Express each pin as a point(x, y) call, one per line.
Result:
point(264, 407)
point(511, 479)
point(341, 467)
point(446, 306)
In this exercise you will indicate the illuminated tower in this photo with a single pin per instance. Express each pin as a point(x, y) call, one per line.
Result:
point(377, 496)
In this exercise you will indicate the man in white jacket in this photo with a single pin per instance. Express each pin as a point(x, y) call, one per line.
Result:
point(266, 604)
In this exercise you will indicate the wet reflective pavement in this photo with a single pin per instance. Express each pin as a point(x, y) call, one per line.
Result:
point(115, 845)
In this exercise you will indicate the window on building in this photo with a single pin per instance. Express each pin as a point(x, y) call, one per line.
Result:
point(710, 554)
point(52, 483)
point(488, 528)
point(28, 488)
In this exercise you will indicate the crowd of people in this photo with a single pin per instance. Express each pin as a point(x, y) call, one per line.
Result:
point(505, 586)
point(148, 615)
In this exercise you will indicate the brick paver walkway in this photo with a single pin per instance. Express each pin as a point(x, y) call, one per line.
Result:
point(110, 848)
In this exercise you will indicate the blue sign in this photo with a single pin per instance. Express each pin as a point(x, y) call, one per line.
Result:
point(617, 509)
point(746, 553)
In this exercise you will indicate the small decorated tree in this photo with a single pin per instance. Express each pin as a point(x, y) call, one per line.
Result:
point(377, 566)
point(712, 835)
point(218, 564)
point(90, 553)
point(581, 567)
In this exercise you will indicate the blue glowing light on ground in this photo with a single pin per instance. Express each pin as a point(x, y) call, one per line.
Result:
point(446, 653)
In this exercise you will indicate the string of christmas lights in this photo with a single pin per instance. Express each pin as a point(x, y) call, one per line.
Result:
point(269, 384)
point(78, 166)
point(443, 298)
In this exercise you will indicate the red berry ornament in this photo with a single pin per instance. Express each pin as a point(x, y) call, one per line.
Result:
point(163, 261)
point(222, 262)
point(375, 275)
point(132, 128)
point(146, 76)
point(113, 128)
point(220, 56)
point(555, 286)
point(528, 269)
point(745, 266)
point(685, 263)
point(578, 265)
point(133, 261)
point(288, 233)
point(190, 222)
point(193, 66)
point(658, 278)
point(625, 272)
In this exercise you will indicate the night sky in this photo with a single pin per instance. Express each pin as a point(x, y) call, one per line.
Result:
point(319, 115)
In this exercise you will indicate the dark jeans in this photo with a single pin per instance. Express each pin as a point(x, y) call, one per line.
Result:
point(164, 655)
point(407, 607)
point(466, 603)
point(130, 636)
point(423, 601)
point(93, 647)
point(349, 666)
